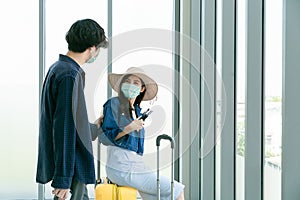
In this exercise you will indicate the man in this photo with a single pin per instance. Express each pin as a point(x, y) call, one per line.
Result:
point(65, 146)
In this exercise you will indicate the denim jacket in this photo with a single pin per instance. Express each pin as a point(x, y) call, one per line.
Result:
point(114, 123)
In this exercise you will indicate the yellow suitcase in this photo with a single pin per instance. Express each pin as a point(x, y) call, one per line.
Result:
point(126, 193)
point(106, 191)
point(110, 191)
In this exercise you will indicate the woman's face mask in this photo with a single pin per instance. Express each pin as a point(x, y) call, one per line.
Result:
point(130, 91)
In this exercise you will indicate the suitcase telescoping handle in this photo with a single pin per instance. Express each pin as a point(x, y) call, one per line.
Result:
point(158, 139)
point(99, 180)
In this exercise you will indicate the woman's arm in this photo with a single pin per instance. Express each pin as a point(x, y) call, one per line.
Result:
point(137, 124)
point(110, 124)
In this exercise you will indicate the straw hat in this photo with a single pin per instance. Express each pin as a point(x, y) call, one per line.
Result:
point(150, 84)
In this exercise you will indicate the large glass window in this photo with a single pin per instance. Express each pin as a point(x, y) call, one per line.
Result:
point(273, 99)
point(240, 98)
point(218, 99)
point(19, 99)
point(127, 17)
point(60, 15)
point(142, 37)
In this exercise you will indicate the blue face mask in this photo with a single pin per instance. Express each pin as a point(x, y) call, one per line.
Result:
point(91, 60)
point(130, 91)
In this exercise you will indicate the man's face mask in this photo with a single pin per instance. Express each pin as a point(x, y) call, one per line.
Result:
point(130, 91)
point(93, 58)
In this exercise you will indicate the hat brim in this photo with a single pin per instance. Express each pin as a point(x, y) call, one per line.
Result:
point(151, 86)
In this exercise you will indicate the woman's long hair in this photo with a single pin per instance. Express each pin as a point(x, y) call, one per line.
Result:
point(124, 103)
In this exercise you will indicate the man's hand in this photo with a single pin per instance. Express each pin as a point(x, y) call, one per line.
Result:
point(61, 193)
point(99, 121)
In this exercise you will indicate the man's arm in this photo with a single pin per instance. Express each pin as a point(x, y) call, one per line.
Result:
point(64, 134)
point(96, 129)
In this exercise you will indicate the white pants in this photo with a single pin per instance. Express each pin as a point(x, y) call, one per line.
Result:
point(127, 169)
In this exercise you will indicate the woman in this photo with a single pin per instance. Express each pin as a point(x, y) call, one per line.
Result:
point(122, 126)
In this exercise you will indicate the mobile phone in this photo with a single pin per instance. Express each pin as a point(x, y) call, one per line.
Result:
point(146, 114)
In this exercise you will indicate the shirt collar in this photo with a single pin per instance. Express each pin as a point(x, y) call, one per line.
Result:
point(65, 58)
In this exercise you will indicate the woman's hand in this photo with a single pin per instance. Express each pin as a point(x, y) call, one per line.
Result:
point(136, 124)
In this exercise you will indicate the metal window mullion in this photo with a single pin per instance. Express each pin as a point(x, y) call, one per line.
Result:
point(176, 85)
point(41, 187)
point(291, 108)
point(109, 35)
point(228, 101)
point(195, 80)
point(208, 15)
point(185, 95)
point(254, 101)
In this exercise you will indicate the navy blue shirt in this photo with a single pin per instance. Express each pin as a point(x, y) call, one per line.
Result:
point(65, 144)
point(114, 123)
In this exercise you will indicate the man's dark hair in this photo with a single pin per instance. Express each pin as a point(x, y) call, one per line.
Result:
point(84, 34)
